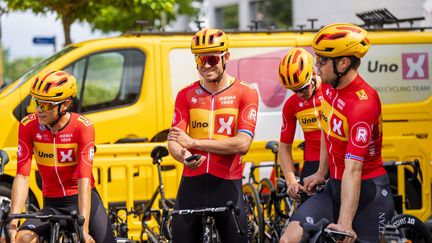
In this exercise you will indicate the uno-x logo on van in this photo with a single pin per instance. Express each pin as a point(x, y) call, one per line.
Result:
point(415, 65)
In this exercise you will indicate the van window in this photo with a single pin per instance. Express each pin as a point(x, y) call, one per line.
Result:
point(108, 79)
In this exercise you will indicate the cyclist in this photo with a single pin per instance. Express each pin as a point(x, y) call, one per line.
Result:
point(296, 73)
point(357, 198)
point(63, 146)
point(214, 117)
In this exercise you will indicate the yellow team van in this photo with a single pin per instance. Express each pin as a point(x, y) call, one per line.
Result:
point(127, 86)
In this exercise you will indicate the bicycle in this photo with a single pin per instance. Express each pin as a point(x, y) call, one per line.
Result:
point(147, 212)
point(58, 232)
point(209, 232)
point(392, 232)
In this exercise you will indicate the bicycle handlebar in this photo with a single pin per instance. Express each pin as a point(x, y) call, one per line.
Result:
point(415, 164)
point(235, 212)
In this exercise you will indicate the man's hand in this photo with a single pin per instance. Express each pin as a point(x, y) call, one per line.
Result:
point(312, 181)
point(345, 229)
point(88, 238)
point(293, 189)
point(178, 135)
point(12, 234)
point(193, 164)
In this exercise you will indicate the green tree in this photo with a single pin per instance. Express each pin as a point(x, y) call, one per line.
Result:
point(106, 15)
point(13, 69)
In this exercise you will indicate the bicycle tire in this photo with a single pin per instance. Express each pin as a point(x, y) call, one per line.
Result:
point(413, 228)
point(255, 214)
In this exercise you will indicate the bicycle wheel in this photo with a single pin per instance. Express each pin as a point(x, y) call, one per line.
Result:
point(412, 227)
point(265, 190)
point(255, 215)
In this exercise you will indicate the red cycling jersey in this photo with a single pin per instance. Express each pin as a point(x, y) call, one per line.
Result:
point(62, 158)
point(307, 113)
point(351, 120)
point(213, 117)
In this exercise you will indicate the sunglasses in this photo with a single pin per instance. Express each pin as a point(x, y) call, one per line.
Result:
point(46, 105)
point(304, 88)
point(212, 60)
point(322, 60)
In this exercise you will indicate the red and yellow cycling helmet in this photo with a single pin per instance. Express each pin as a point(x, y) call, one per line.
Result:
point(209, 40)
point(338, 40)
point(295, 68)
point(54, 86)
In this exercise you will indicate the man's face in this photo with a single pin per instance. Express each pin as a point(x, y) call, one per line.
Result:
point(47, 111)
point(210, 64)
point(325, 69)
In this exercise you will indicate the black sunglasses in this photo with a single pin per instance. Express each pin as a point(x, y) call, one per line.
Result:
point(322, 60)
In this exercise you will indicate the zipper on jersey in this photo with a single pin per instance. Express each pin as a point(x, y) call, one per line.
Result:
point(55, 165)
point(211, 128)
point(328, 134)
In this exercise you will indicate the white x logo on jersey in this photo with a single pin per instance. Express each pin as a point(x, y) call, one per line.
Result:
point(225, 125)
point(66, 157)
point(337, 127)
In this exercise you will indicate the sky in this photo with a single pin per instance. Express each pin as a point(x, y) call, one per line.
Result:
point(19, 28)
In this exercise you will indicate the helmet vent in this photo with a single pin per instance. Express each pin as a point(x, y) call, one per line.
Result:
point(211, 39)
point(47, 87)
point(296, 80)
point(35, 82)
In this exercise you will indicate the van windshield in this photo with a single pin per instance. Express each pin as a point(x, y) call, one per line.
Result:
point(34, 69)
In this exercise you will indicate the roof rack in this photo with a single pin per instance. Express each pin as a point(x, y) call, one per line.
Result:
point(380, 17)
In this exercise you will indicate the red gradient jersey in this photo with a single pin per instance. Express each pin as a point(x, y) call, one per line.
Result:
point(351, 120)
point(213, 117)
point(307, 113)
point(61, 158)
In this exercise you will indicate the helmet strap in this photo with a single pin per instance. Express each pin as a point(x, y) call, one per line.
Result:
point(335, 83)
point(60, 114)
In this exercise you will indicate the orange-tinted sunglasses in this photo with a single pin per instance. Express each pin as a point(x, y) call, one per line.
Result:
point(212, 60)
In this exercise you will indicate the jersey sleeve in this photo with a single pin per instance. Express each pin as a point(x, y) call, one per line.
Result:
point(248, 110)
point(363, 119)
point(180, 117)
point(25, 147)
point(289, 122)
point(85, 147)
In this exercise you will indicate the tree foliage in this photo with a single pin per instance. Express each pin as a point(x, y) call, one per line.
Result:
point(105, 15)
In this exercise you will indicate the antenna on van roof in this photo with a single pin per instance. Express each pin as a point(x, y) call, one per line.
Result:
point(380, 17)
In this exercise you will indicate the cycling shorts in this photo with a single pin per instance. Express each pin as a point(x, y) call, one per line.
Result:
point(375, 208)
point(309, 168)
point(99, 226)
point(208, 191)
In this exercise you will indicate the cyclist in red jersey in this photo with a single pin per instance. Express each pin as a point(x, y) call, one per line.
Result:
point(214, 117)
point(63, 146)
point(296, 73)
point(357, 198)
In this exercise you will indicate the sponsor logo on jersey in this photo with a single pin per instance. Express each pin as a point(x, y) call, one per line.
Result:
point(362, 94)
point(199, 124)
point(340, 104)
point(360, 134)
point(28, 119)
point(224, 124)
point(38, 136)
point(85, 121)
point(308, 120)
point(227, 100)
point(249, 114)
point(194, 100)
point(66, 155)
